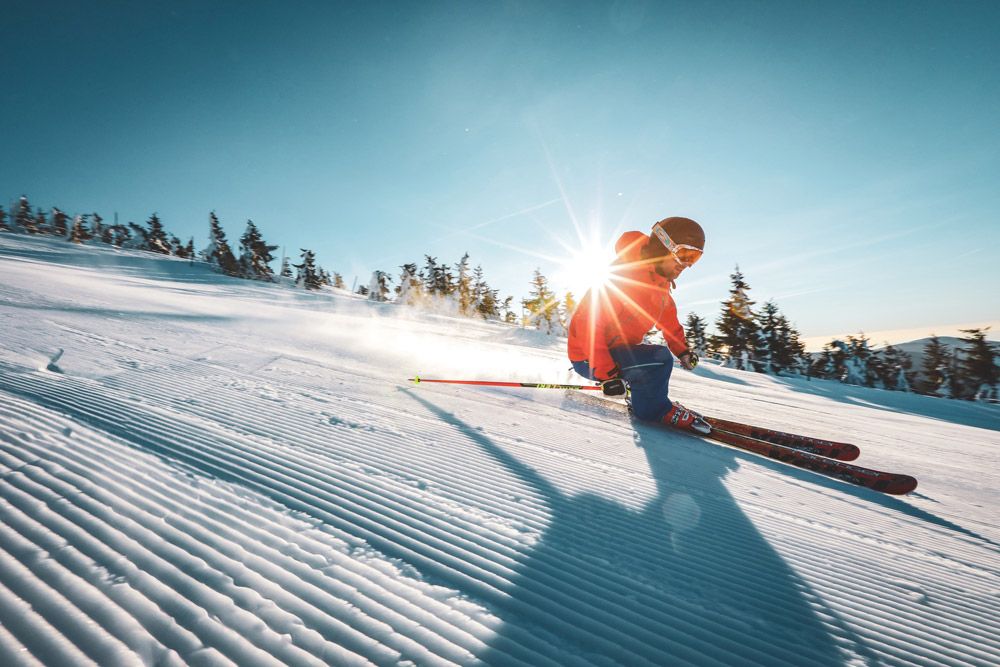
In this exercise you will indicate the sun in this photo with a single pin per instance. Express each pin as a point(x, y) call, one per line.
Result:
point(586, 268)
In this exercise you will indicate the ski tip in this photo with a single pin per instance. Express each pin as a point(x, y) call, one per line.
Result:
point(415, 379)
point(848, 453)
point(900, 486)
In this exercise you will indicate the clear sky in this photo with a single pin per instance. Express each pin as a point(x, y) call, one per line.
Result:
point(845, 154)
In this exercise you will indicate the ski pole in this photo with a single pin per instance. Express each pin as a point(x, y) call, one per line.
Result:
point(527, 385)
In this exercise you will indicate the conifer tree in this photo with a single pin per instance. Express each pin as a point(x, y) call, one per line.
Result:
point(542, 304)
point(954, 382)
point(378, 287)
point(255, 254)
point(22, 217)
point(41, 222)
point(832, 361)
point(789, 350)
point(156, 237)
point(768, 345)
point(189, 249)
point(893, 368)
point(934, 367)
point(60, 223)
point(286, 267)
point(78, 233)
point(338, 281)
point(307, 275)
point(120, 235)
point(737, 329)
point(411, 287)
point(96, 226)
point(507, 310)
point(218, 251)
point(696, 335)
point(489, 305)
point(978, 366)
point(176, 246)
point(463, 286)
point(430, 274)
point(3, 220)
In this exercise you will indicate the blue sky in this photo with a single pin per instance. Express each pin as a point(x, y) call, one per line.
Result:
point(845, 155)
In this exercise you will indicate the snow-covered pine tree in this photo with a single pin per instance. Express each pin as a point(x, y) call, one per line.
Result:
point(768, 347)
point(60, 223)
point(176, 246)
point(696, 334)
point(978, 366)
point(507, 311)
point(41, 222)
point(489, 307)
point(122, 236)
point(378, 287)
point(286, 267)
point(955, 382)
point(858, 364)
point(308, 277)
point(934, 367)
point(736, 326)
point(22, 216)
point(893, 367)
point(831, 364)
point(189, 249)
point(430, 274)
point(255, 255)
point(542, 305)
point(410, 290)
point(463, 286)
point(218, 251)
point(78, 233)
point(4, 226)
point(156, 236)
point(96, 226)
point(789, 351)
point(338, 281)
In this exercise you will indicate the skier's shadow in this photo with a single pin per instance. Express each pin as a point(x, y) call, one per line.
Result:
point(685, 579)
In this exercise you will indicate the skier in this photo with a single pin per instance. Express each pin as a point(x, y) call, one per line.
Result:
point(606, 332)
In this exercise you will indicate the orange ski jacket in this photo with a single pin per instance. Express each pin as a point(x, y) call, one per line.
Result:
point(635, 300)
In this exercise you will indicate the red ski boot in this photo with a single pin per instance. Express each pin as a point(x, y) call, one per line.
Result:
point(682, 418)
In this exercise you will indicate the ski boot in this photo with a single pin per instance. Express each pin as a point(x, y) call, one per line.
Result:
point(688, 420)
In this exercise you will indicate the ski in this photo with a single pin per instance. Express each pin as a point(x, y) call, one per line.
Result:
point(841, 451)
point(885, 482)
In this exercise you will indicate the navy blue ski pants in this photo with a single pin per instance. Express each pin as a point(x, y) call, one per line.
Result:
point(646, 369)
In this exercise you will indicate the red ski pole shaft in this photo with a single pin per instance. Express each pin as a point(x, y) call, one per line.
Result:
point(525, 385)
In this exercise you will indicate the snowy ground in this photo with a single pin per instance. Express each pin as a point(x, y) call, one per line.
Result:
point(219, 472)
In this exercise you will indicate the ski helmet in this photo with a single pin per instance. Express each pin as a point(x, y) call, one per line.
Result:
point(682, 231)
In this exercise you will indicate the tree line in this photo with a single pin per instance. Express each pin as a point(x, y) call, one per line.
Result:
point(746, 338)
point(251, 259)
point(763, 340)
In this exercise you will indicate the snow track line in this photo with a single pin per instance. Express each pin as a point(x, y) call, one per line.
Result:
point(444, 547)
point(265, 560)
point(474, 573)
point(391, 532)
point(625, 585)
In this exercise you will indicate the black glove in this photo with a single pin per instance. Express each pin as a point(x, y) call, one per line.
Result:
point(691, 362)
point(613, 387)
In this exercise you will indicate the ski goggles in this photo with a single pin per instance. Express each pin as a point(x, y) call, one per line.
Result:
point(686, 255)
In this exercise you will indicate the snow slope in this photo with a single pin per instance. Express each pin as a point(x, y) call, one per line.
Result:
point(219, 472)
